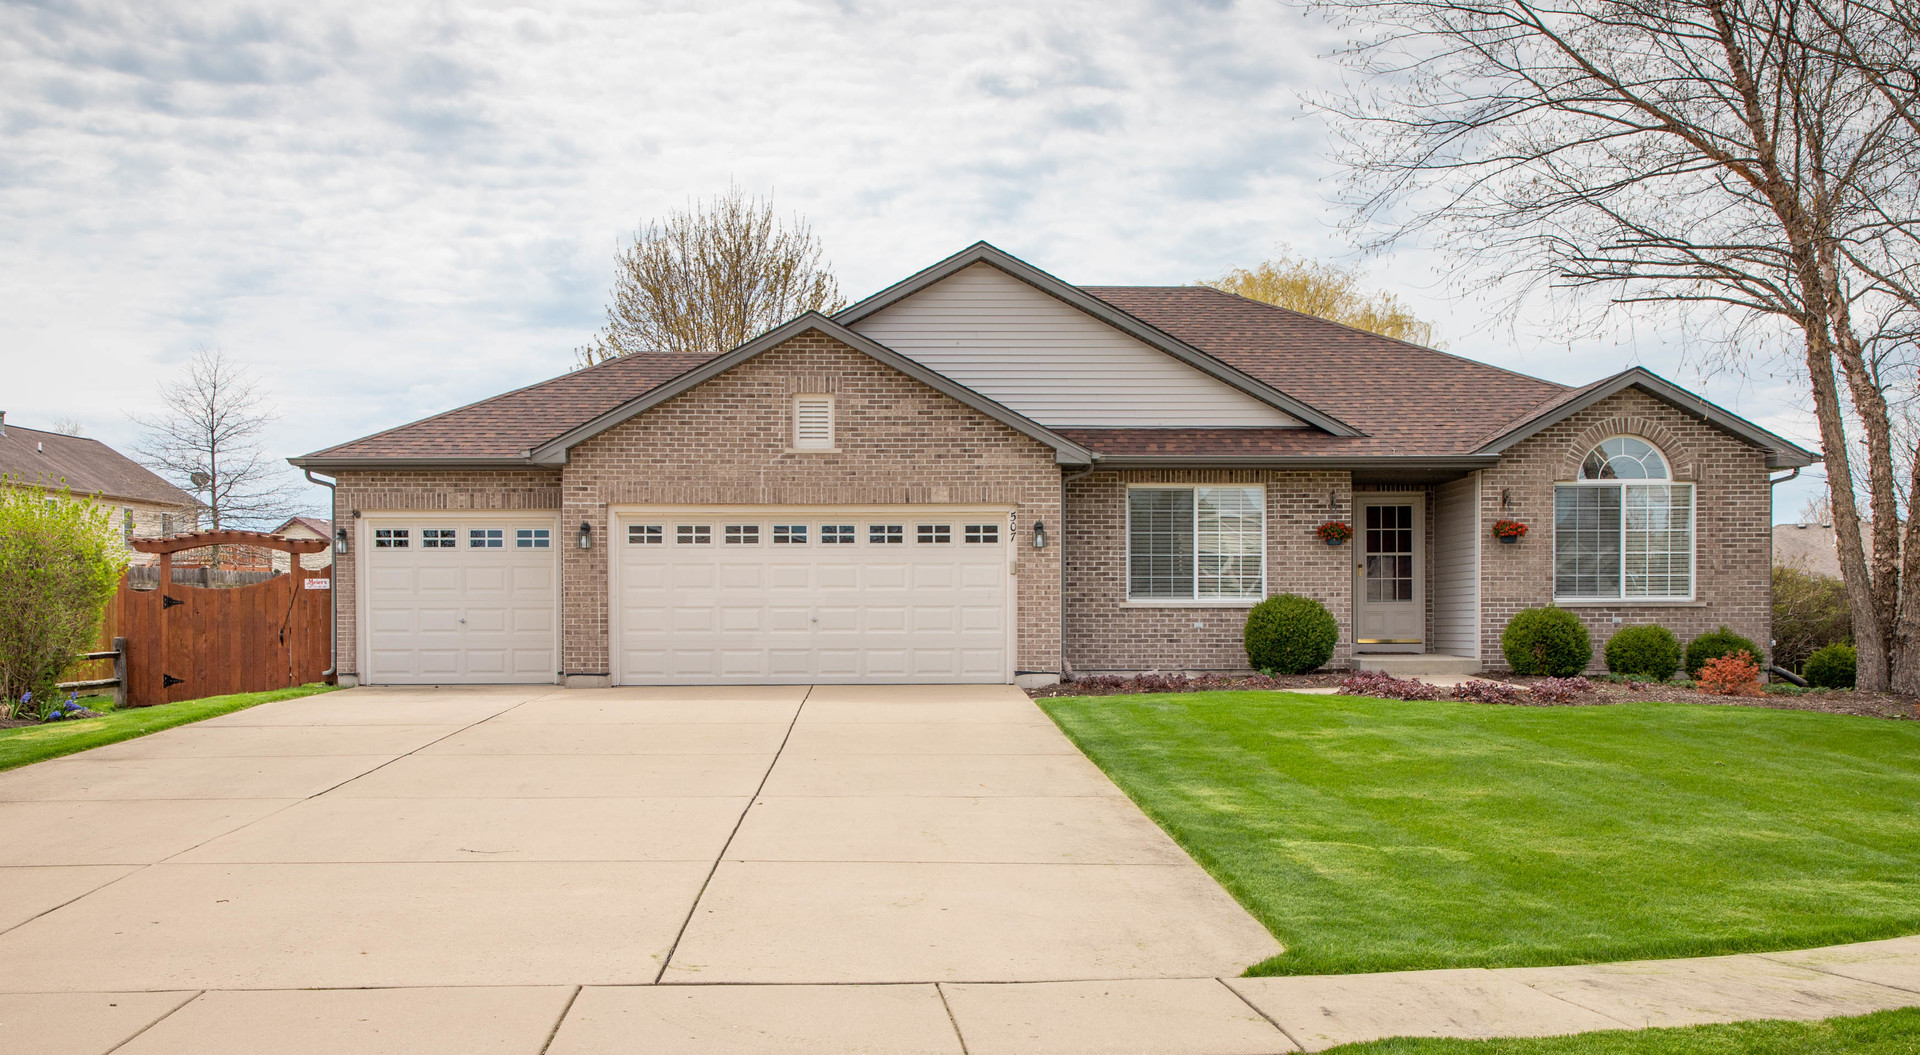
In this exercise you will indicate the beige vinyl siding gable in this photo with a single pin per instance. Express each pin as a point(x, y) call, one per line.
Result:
point(1053, 363)
point(1456, 567)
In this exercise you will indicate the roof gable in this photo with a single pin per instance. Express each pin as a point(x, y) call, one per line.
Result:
point(981, 253)
point(554, 451)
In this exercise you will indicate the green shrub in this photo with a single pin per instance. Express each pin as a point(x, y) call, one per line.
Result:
point(1809, 613)
point(59, 565)
point(1651, 652)
point(1290, 634)
point(1550, 641)
point(1832, 667)
point(1721, 642)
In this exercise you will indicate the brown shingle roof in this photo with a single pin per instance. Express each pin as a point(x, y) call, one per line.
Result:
point(506, 426)
point(1409, 400)
point(84, 466)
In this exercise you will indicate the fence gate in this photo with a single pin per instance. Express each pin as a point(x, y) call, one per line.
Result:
point(185, 642)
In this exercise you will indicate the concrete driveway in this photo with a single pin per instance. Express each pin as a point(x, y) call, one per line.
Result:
point(538, 870)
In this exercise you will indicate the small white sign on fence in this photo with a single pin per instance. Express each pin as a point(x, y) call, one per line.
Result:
point(319, 584)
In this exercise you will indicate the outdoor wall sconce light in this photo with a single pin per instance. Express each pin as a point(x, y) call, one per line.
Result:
point(340, 540)
point(1039, 534)
point(1506, 498)
point(586, 535)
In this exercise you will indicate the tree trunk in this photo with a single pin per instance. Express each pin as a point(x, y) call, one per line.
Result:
point(1906, 626)
point(1868, 639)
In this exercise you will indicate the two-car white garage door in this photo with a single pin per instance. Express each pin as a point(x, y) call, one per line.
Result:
point(827, 594)
point(701, 595)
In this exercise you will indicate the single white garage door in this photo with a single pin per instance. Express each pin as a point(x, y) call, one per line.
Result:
point(451, 600)
point(888, 594)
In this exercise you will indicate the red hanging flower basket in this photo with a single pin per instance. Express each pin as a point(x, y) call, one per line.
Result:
point(1333, 532)
point(1508, 530)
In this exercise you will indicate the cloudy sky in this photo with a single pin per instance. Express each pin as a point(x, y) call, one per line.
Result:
point(390, 208)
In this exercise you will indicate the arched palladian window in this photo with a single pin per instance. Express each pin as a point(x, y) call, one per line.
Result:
point(1623, 530)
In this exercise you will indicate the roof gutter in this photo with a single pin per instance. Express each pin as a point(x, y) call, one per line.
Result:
point(1460, 462)
point(332, 465)
point(333, 583)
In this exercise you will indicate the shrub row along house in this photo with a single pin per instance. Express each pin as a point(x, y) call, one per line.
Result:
point(985, 474)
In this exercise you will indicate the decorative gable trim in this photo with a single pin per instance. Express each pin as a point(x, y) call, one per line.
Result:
point(1781, 453)
point(554, 451)
point(1073, 296)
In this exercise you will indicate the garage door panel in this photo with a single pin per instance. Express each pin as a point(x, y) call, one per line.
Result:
point(462, 612)
point(927, 606)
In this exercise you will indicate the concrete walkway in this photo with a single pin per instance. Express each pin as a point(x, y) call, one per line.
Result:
point(831, 870)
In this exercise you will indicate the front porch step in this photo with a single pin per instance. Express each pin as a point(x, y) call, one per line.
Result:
point(1408, 664)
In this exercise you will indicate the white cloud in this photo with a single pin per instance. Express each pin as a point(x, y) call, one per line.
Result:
point(393, 208)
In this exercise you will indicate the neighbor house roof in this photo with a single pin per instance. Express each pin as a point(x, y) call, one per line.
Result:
point(84, 466)
point(322, 528)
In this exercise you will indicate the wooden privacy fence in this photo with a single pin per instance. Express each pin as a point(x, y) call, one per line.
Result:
point(183, 642)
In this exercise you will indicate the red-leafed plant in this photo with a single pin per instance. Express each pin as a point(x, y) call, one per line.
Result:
point(1508, 529)
point(1333, 531)
point(1734, 675)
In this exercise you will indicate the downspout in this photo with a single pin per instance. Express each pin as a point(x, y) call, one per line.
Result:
point(333, 580)
point(1066, 479)
point(1774, 668)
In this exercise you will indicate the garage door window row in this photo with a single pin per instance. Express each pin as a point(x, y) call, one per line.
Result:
point(477, 538)
point(796, 534)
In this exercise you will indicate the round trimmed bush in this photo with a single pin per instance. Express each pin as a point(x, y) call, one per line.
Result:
point(1832, 667)
point(1650, 652)
point(1290, 634)
point(1550, 641)
point(1721, 642)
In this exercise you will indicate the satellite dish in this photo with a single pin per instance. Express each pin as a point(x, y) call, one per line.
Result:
point(199, 479)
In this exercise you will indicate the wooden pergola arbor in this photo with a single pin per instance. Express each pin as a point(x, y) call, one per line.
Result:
point(185, 642)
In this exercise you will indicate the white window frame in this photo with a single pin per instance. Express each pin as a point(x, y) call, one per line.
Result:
point(1622, 597)
point(816, 445)
point(1196, 601)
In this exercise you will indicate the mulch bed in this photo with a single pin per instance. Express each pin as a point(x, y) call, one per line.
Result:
point(1835, 701)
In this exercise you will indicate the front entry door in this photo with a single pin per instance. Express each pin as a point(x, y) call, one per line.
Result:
point(1389, 588)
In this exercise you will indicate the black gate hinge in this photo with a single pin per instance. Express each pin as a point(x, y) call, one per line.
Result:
point(168, 681)
point(167, 602)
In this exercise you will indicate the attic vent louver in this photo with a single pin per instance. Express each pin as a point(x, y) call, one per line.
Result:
point(813, 423)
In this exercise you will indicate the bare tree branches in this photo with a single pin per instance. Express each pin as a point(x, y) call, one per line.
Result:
point(1755, 163)
point(711, 277)
point(206, 439)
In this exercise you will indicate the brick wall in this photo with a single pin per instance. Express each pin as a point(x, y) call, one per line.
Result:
point(1733, 525)
point(432, 489)
point(726, 443)
point(1106, 632)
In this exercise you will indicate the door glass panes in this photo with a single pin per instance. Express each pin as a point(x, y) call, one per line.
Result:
point(1160, 542)
point(743, 534)
point(645, 534)
point(1586, 541)
point(532, 538)
point(789, 534)
point(983, 533)
point(885, 534)
point(486, 538)
point(693, 534)
point(1389, 553)
point(934, 533)
point(841, 534)
point(437, 538)
point(390, 538)
point(1229, 532)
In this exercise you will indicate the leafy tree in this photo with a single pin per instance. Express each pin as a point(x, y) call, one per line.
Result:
point(1746, 166)
point(1809, 613)
point(60, 562)
point(709, 278)
point(1326, 292)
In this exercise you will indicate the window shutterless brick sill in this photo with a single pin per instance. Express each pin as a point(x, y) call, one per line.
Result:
point(813, 450)
point(1589, 602)
point(1188, 604)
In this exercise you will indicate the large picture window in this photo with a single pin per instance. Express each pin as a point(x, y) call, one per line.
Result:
point(1196, 543)
point(1623, 530)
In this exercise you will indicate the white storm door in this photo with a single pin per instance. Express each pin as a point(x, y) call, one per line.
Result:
point(459, 600)
point(1390, 596)
point(899, 594)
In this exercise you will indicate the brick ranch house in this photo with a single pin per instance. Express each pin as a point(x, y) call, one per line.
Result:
point(985, 474)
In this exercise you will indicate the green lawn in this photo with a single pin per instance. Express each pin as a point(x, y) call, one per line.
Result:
point(1379, 835)
point(1886, 1033)
point(37, 743)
